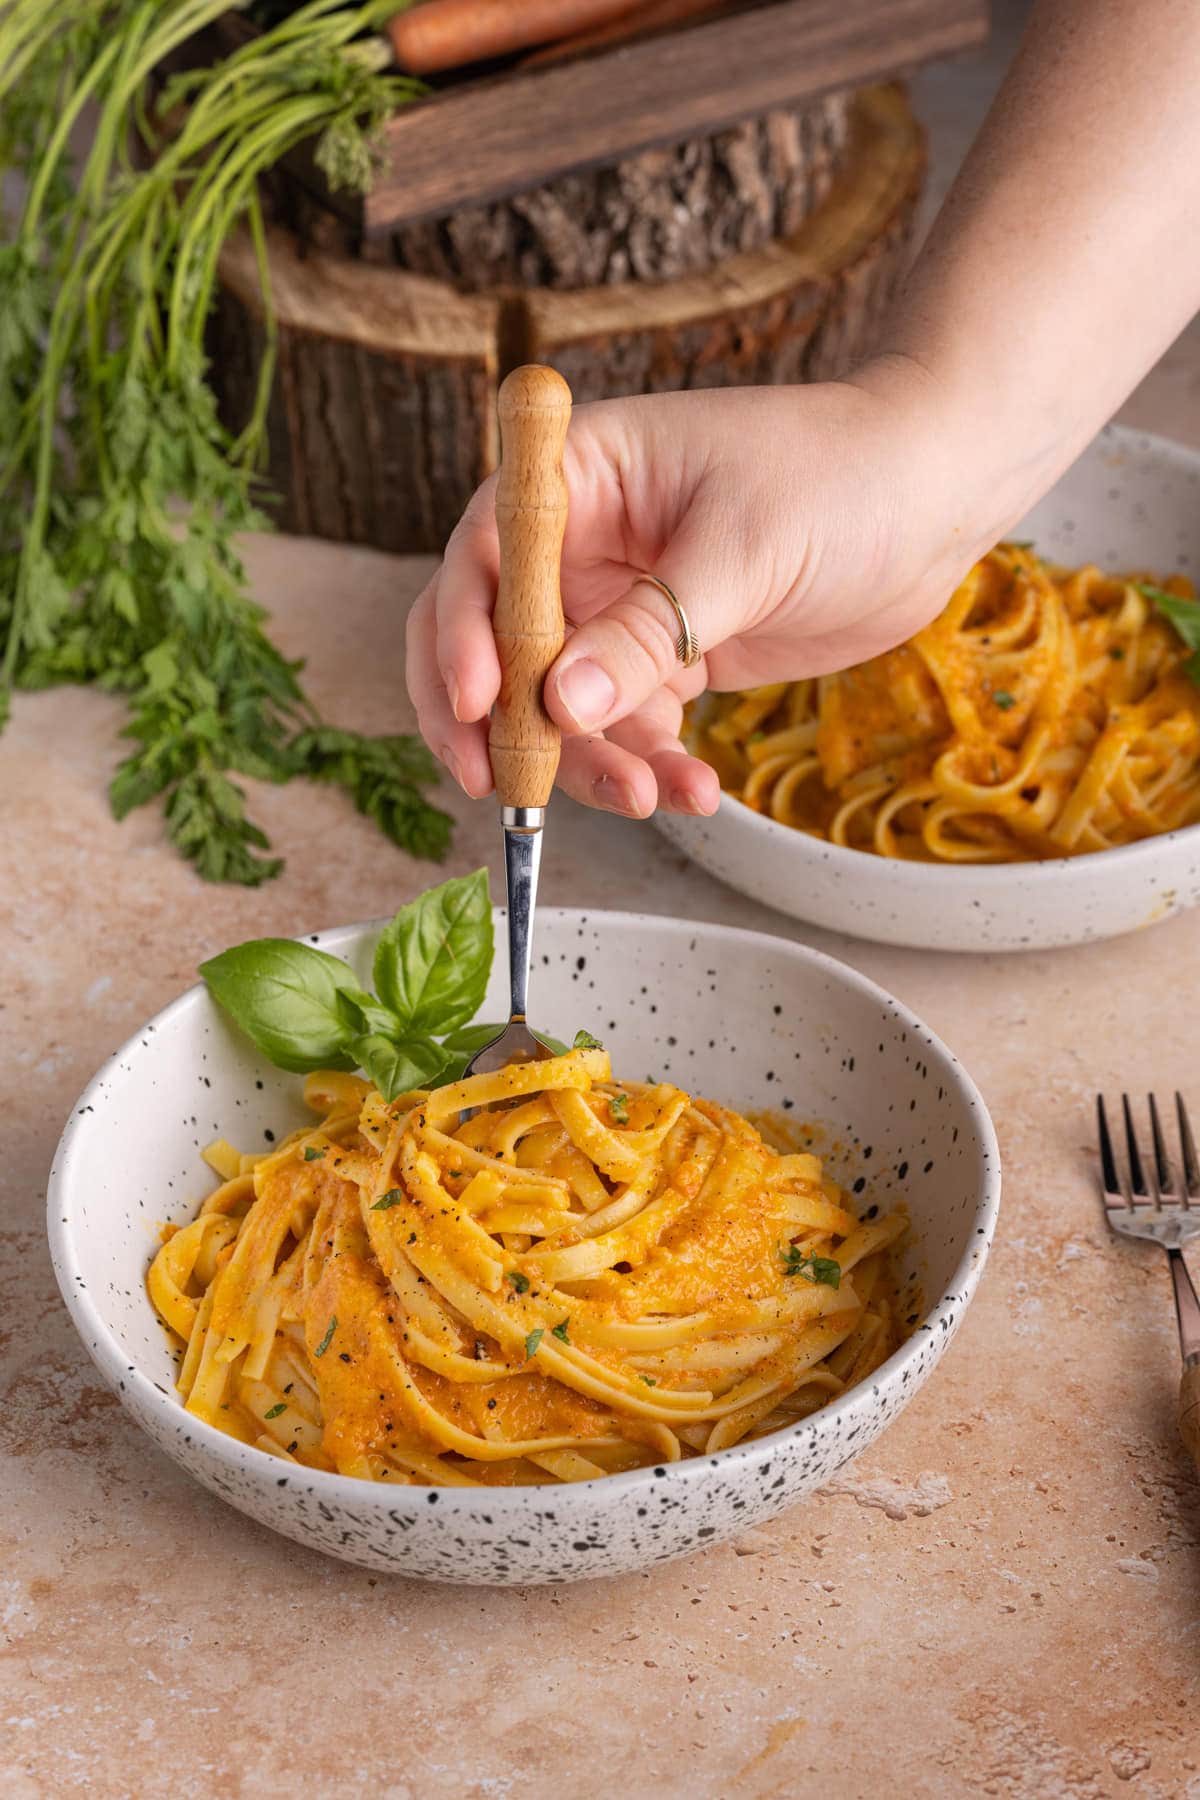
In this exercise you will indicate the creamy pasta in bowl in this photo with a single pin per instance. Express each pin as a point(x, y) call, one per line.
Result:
point(1023, 773)
point(583, 1323)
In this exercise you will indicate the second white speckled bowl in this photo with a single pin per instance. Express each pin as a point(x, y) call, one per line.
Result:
point(751, 1020)
point(1131, 502)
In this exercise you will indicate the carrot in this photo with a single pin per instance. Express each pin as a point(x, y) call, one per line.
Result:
point(446, 34)
point(656, 15)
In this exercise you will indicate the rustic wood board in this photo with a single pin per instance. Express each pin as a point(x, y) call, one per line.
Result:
point(487, 139)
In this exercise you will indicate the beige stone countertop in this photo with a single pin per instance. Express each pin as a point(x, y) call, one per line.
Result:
point(1001, 1597)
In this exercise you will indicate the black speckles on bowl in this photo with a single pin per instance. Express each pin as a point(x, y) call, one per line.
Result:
point(841, 1051)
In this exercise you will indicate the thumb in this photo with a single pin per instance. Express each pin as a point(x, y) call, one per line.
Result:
point(611, 665)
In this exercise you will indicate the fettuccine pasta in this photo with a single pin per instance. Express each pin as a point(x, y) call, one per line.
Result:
point(581, 1276)
point(1045, 713)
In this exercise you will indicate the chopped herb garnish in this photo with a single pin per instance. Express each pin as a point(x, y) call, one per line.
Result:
point(584, 1040)
point(619, 1105)
point(393, 1197)
point(519, 1281)
point(1003, 699)
point(1117, 654)
point(325, 1342)
point(311, 1154)
point(532, 1342)
point(756, 737)
point(560, 1331)
point(1184, 615)
point(649, 1380)
point(821, 1270)
point(274, 1411)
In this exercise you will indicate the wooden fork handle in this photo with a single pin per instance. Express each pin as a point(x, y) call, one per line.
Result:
point(531, 516)
point(1189, 1412)
point(1187, 1313)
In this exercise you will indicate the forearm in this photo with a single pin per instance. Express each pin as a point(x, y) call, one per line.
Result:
point(1067, 256)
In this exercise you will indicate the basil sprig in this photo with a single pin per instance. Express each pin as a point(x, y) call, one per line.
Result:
point(304, 1009)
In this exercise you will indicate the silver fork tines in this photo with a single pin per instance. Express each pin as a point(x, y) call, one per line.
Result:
point(1146, 1201)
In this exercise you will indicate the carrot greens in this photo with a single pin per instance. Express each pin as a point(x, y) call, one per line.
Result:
point(122, 494)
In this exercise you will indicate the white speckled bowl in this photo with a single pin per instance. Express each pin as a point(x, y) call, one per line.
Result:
point(1131, 501)
point(748, 1019)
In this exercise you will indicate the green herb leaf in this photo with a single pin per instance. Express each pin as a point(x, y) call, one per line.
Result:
point(365, 1017)
point(1002, 699)
point(385, 1203)
point(619, 1106)
point(560, 1331)
point(584, 1040)
point(1184, 615)
point(311, 1154)
point(532, 1342)
point(325, 1342)
point(273, 1412)
point(821, 1270)
point(519, 1281)
point(418, 1062)
point(432, 962)
point(649, 1380)
point(284, 996)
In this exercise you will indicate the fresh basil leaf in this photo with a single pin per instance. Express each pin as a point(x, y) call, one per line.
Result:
point(432, 962)
point(284, 996)
point(365, 1016)
point(395, 1068)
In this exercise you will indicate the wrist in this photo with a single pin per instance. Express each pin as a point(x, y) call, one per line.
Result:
point(973, 460)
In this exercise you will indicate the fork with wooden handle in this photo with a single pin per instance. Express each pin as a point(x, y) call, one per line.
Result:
point(1167, 1212)
point(523, 740)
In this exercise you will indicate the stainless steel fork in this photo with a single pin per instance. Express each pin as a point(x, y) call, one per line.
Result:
point(1167, 1211)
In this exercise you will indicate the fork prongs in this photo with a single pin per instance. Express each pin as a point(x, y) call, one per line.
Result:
point(1130, 1188)
point(1162, 1162)
point(1113, 1193)
point(1187, 1144)
point(1138, 1191)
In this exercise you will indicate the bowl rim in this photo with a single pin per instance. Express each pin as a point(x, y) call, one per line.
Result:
point(997, 877)
point(353, 1493)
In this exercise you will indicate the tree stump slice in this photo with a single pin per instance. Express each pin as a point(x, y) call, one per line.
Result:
point(653, 217)
point(382, 418)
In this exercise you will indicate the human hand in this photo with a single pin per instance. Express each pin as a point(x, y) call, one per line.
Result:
point(803, 529)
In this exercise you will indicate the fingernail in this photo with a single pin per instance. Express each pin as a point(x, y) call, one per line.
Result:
point(587, 693)
point(452, 763)
point(614, 796)
point(452, 695)
point(684, 802)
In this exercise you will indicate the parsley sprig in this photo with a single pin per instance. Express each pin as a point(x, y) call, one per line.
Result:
point(122, 493)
